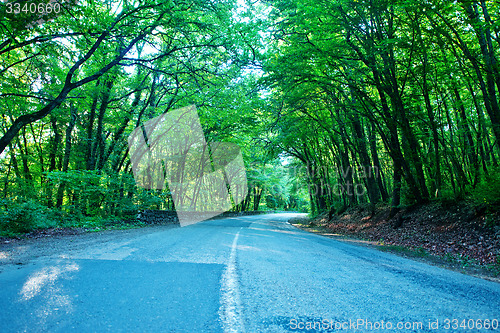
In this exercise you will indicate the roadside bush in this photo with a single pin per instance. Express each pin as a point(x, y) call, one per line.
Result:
point(24, 216)
point(149, 199)
point(90, 193)
point(487, 192)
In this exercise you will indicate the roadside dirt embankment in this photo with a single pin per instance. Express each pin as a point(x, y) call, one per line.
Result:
point(452, 230)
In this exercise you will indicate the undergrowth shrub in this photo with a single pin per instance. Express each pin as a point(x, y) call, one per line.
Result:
point(88, 199)
point(487, 192)
point(24, 215)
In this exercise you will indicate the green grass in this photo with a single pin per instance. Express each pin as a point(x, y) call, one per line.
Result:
point(89, 224)
point(419, 252)
point(10, 234)
point(463, 262)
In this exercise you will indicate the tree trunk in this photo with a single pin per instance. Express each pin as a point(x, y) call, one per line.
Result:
point(99, 143)
point(89, 153)
point(67, 153)
point(376, 163)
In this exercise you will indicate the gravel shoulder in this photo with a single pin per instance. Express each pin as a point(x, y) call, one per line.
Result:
point(21, 251)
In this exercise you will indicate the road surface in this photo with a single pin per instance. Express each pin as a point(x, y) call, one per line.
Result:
point(246, 274)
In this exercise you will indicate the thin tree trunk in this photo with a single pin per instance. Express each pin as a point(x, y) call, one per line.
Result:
point(89, 153)
point(469, 142)
point(67, 154)
point(99, 143)
point(376, 164)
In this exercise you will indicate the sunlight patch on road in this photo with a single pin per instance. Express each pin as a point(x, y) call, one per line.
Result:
point(42, 278)
point(282, 231)
point(248, 248)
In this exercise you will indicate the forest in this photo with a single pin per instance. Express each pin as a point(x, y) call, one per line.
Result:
point(334, 103)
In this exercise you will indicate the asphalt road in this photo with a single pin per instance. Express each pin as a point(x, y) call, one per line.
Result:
point(247, 274)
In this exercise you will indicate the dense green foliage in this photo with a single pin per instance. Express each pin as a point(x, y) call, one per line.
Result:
point(398, 97)
point(73, 89)
point(334, 103)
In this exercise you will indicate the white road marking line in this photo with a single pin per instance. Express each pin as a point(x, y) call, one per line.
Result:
point(230, 309)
